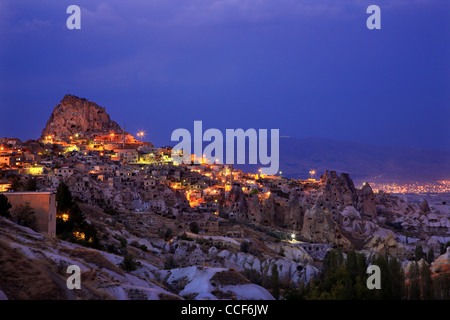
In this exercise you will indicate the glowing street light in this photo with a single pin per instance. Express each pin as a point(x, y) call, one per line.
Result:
point(312, 173)
point(141, 134)
point(293, 236)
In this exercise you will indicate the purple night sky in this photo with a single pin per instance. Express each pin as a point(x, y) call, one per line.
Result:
point(309, 68)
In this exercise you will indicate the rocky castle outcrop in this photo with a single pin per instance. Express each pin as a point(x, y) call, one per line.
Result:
point(76, 115)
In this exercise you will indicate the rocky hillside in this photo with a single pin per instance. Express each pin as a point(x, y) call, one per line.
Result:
point(36, 266)
point(192, 266)
point(79, 116)
point(182, 265)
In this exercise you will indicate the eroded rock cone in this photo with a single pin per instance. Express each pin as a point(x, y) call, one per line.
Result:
point(79, 116)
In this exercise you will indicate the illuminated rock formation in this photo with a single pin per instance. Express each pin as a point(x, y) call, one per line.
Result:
point(81, 117)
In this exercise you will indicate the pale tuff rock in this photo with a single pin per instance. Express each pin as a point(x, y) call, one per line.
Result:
point(290, 270)
point(336, 204)
point(238, 204)
point(366, 203)
point(295, 266)
point(340, 192)
point(433, 220)
point(291, 252)
point(387, 245)
point(347, 217)
point(213, 252)
point(319, 226)
point(410, 265)
point(294, 212)
point(424, 207)
point(206, 283)
point(3, 296)
point(270, 215)
point(442, 263)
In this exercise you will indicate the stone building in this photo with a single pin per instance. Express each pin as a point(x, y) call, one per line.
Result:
point(43, 205)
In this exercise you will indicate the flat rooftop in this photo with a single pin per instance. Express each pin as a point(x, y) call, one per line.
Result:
point(28, 192)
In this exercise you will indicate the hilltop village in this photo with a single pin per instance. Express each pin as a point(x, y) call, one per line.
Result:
point(198, 215)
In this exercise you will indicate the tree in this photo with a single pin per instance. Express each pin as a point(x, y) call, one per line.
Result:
point(63, 197)
point(25, 216)
point(275, 282)
point(330, 262)
point(397, 277)
point(4, 206)
point(386, 279)
point(418, 253)
point(245, 246)
point(170, 263)
point(426, 284)
point(430, 255)
point(128, 263)
point(362, 265)
point(340, 256)
point(31, 185)
point(293, 293)
point(443, 247)
point(91, 235)
point(111, 211)
point(414, 285)
point(168, 234)
point(194, 227)
point(75, 215)
point(352, 264)
point(442, 286)
point(123, 242)
point(16, 185)
point(76, 221)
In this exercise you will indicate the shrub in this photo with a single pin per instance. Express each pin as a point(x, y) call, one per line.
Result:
point(111, 211)
point(194, 227)
point(229, 278)
point(123, 242)
point(170, 263)
point(4, 206)
point(245, 246)
point(128, 264)
point(253, 276)
point(184, 236)
point(134, 243)
point(168, 234)
point(25, 216)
